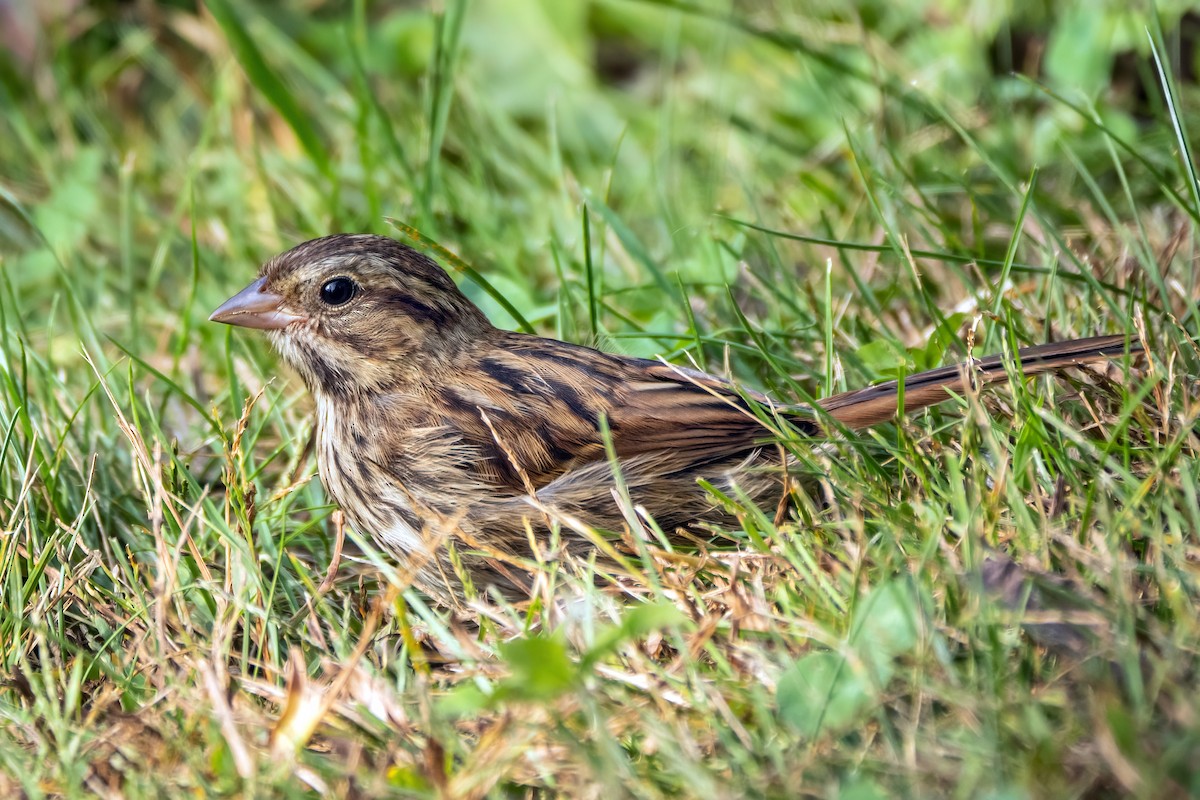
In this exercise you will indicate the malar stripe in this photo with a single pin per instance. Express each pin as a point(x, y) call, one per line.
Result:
point(416, 309)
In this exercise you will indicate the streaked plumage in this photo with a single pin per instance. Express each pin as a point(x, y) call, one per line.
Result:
point(436, 428)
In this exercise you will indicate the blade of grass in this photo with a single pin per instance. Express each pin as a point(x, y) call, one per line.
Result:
point(268, 83)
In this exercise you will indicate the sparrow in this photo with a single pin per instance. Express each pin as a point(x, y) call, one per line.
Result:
point(465, 450)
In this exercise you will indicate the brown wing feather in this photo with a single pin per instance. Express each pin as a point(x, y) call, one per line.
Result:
point(691, 413)
point(543, 401)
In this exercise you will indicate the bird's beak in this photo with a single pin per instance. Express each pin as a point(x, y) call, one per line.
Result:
point(253, 307)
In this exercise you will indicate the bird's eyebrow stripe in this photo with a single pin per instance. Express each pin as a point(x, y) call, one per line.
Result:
point(415, 308)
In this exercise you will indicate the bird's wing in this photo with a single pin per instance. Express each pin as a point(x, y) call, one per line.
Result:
point(532, 409)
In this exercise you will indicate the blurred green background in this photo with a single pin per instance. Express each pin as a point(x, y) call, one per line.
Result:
point(133, 126)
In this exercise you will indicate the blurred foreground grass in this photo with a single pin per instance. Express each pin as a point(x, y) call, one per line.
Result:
point(996, 598)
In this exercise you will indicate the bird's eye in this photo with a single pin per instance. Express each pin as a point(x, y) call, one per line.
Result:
point(337, 291)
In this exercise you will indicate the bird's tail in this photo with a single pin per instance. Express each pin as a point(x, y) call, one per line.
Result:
point(876, 404)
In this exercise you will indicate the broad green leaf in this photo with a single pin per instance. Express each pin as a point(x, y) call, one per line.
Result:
point(822, 692)
point(541, 668)
point(885, 625)
point(882, 357)
point(464, 700)
point(827, 691)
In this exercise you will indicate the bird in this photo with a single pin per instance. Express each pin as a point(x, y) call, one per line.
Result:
point(465, 450)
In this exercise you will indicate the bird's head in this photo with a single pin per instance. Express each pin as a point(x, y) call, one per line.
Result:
point(357, 313)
